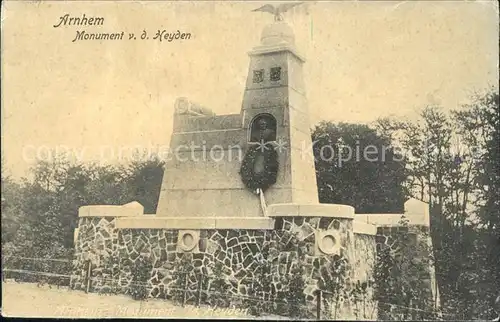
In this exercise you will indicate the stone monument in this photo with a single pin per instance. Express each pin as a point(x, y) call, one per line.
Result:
point(274, 93)
point(258, 241)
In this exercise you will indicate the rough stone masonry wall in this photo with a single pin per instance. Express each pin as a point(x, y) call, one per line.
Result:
point(245, 264)
point(405, 274)
point(97, 244)
point(364, 265)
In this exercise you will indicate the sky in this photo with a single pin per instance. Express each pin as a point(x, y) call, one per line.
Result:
point(99, 100)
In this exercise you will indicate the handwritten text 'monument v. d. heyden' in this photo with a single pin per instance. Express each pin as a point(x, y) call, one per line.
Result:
point(161, 35)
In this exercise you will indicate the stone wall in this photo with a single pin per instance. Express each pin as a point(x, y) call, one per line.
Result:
point(364, 272)
point(253, 268)
point(405, 273)
point(96, 243)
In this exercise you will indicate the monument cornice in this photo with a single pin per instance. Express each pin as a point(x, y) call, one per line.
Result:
point(262, 50)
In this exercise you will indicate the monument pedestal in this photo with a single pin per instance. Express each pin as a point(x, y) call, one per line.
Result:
point(260, 258)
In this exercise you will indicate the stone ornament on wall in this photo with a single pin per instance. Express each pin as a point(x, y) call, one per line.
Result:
point(258, 76)
point(188, 241)
point(275, 74)
point(327, 242)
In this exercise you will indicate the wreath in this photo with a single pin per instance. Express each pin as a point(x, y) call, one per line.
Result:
point(265, 178)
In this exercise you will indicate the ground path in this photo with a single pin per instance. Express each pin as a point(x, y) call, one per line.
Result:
point(29, 300)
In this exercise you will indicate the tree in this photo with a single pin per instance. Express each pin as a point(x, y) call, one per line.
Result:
point(41, 213)
point(452, 163)
point(144, 182)
point(479, 124)
point(401, 275)
point(12, 215)
point(357, 166)
point(439, 173)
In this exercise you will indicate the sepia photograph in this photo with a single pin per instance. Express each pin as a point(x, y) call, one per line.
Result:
point(280, 160)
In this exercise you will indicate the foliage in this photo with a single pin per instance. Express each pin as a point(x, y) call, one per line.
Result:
point(183, 268)
point(143, 180)
point(295, 297)
point(251, 177)
point(333, 284)
point(290, 299)
point(261, 284)
point(141, 273)
point(337, 290)
point(479, 124)
point(402, 274)
point(452, 163)
point(219, 287)
point(357, 166)
point(39, 215)
point(359, 295)
point(10, 208)
point(263, 297)
point(11, 260)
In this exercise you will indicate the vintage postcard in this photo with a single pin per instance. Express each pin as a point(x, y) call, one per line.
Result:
point(329, 160)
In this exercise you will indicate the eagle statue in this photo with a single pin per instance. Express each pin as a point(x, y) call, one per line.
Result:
point(277, 11)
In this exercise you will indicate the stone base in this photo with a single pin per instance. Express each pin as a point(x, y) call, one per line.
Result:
point(274, 270)
point(272, 264)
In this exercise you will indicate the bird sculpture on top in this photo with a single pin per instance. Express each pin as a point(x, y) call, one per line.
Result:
point(277, 11)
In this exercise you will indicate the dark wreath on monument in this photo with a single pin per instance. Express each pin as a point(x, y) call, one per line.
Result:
point(259, 168)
